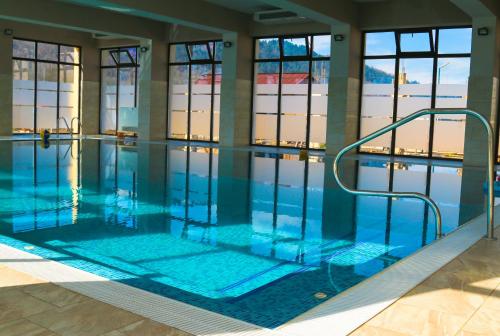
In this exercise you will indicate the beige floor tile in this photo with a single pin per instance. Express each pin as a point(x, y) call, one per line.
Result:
point(417, 321)
point(367, 330)
point(445, 300)
point(468, 333)
point(484, 322)
point(54, 294)
point(463, 279)
point(10, 278)
point(84, 319)
point(14, 304)
point(23, 327)
point(147, 328)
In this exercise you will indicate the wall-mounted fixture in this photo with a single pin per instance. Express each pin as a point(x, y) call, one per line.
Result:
point(338, 37)
point(228, 44)
point(8, 32)
point(483, 31)
point(144, 49)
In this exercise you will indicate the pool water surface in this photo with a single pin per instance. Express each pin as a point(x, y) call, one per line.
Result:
point(260, 236)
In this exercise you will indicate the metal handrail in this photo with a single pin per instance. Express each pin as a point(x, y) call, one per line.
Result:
point(65, 122)
point(79, 124)
point(426, 199)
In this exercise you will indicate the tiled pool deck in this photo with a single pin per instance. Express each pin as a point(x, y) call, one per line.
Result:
point(462, 298)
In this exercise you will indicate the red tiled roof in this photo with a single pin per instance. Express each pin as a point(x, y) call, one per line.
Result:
point(272, 78)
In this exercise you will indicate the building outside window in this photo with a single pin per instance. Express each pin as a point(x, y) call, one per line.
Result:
point(290, 92)
point(195, 74)
point(119, 71)
point(408, 70)
point(46, 86)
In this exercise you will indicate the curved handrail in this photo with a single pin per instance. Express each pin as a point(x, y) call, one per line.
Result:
point(78, 123)
point(65, 122)
point(426, 199)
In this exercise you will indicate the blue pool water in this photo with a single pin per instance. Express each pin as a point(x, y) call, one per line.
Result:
point(254, 235)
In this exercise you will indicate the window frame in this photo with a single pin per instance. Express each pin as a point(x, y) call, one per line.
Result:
point(36, 61)
point(212, 60)
point(309, 58)
point(435, 56)
point(117, 66)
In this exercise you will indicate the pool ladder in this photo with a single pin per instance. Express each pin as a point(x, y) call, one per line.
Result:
point(425, 198)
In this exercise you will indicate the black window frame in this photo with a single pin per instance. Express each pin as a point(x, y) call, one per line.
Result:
point(397, 56)
point(134, 64)
point(36, 61)
point(308, 58)
point(212, 60)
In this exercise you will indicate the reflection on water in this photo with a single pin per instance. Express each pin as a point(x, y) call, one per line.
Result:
point(231, 231)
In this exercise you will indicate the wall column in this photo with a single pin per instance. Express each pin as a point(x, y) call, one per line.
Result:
point(152, 91)
point(343, 89)
point(6, 85)
point(90, 103)
point(236, 91)
point(483, 89)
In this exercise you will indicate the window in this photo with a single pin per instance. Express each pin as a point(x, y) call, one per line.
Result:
point(195, 74)
point(290, 92)
point(119, 71)
point(46, 87)
point(408, 70)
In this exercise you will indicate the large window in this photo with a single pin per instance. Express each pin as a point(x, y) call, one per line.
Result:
point(46, 86)
point(290, 91)
point(119, 67)
point(409, 70)
point(195, 74)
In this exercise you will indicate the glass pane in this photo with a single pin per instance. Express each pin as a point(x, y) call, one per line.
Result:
point(322, 45)
point(319, 103)
point(23, 96)
point(178, 101)
point(219, 49)
point(132, 51)
point(106, 58)
point(265, 103)
point(108, 100)
point(267, 48)
point(294, 89)
point(25, 49)
point(69, 54)
point(199, 51)
point(127, 111)
point(216, 115)
point(47, 51)
point(380, 44)
point(178, 53)
point(295, 46)
point(451, 92)
point(415, 92)
point(46, 96)
point(69, 87)
point(377, 103)
point(415, 42)
point(201, 101)
point(455, 41)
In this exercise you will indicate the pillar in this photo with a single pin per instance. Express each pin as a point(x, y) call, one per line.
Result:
point(343, 89)
point(6, 85)
point(236, 91)
point(152, 90)
point(483, 89)
point(90, 101)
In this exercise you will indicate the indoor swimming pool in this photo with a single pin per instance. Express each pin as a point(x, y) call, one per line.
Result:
point(262, 236)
